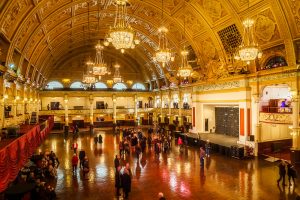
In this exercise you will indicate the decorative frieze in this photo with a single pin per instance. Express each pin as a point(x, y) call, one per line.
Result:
point(278, 118)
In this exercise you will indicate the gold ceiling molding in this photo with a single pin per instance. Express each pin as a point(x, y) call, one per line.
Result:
point(37, 28)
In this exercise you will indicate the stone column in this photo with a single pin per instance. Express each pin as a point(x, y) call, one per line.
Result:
point(180, 108)
point(295, 116)
point(169, 103)
point(295, 151)
point(135, 108)
point(245, 129)
point(91, 99)
point(256, 126)
point(114, 99)
point(161, 108)
point(66, 100)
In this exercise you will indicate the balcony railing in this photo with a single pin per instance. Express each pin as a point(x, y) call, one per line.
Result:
point(268, 109)
point(276, 118)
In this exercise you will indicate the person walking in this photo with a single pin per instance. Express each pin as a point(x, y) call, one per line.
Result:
point(118, 181)
point(86, 167)
point(74, 163)
point(292, 173)
point(75, 146)
point(282, 173)
point(179, 142)
point(202, 156)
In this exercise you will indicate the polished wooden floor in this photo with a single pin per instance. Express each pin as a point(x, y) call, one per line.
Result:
point(177, 175)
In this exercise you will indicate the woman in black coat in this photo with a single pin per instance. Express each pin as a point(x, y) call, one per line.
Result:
point(126, 183)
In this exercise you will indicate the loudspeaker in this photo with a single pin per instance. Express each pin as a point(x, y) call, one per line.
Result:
point(252, 138)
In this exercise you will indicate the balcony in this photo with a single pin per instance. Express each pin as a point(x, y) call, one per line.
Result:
point(276, 118)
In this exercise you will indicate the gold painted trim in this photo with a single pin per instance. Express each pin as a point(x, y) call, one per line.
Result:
point(222, 101)
point(243, 89)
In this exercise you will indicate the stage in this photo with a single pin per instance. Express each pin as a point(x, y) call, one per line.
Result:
point(219, 143)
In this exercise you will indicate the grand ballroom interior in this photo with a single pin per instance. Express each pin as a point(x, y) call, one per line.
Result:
point(217, 74)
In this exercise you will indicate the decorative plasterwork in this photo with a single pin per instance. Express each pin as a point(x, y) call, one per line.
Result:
point(278, 118)
point(274, 77)
point(213, 9)
point(266, 29)
point(220, 86)
point(295, 7)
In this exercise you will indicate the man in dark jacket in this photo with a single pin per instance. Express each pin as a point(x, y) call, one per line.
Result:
point(282, 173)
point(81, 158)
point(118, 181)
point(126, 183)
point(117, 161)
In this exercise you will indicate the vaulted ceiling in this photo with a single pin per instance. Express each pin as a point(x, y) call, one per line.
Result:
point(50, 39)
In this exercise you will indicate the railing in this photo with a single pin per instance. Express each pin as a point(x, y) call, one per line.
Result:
point(268, 109)
point(277, 118)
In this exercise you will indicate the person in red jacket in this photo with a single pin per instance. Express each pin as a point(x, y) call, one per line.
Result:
point(74, 162)
point(75, 146)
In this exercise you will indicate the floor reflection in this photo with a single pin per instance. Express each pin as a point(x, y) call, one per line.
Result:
point(177, 174)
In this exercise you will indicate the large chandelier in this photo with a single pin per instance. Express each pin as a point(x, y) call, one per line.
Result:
point(248, 50)
point(121, 35)
point(117, 76)
point(99, 67)
point(185, 70)
point(88, 76)
point(163, 54)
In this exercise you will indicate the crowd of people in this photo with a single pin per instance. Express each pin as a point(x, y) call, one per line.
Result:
point(40, 171)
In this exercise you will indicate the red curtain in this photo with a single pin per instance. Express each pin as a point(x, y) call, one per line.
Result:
point(15, 154)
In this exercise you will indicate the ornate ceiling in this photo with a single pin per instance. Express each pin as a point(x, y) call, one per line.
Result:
point(49, 39)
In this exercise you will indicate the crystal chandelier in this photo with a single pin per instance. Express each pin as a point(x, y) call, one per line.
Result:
point(99, 67)
point(117, 76)
point(163, 54)
point(248, 50)
point(185, 70)
point(121, 35)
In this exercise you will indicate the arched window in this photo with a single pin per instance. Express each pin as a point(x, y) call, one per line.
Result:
point(276, 61)
point(100, 85)
point(54, 85)
point(76, 85)
point(138, 86)
point(119, 86)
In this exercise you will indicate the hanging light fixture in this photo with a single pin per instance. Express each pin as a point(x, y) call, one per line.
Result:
point(117, 76)
point(249, 49)
point(88, 78)
point(99, 67)
point(185, 70)
point(121, 35)
point(163, 54)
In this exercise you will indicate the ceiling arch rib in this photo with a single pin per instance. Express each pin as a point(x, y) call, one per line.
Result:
point(59, 49)
point(45, 36)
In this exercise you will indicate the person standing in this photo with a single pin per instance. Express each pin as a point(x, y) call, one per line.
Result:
point(118, 181)
point(282, 173)
point(74, 163)
point(202, 156)
point(117, 161)
point(126, 183)
point(161, 196)
point(81, 158)
point(207, 148)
